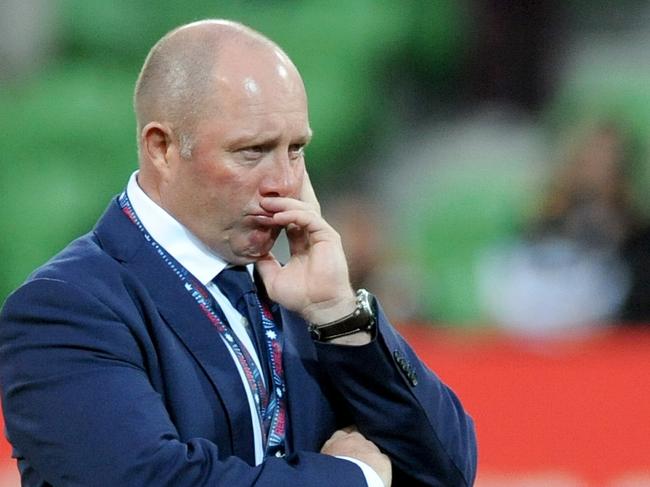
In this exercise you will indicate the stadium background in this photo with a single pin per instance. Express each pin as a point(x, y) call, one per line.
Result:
point(445, 117)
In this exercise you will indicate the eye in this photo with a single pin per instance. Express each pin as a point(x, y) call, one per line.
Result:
point(253, 152)
point(296, 151)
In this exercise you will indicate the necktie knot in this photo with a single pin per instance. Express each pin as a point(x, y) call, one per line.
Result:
point(235, 282)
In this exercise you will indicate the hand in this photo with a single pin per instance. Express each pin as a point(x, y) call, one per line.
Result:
point(349, 442)
point(314, 282)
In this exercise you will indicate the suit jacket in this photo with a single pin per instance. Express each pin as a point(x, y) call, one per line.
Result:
point(112, 376)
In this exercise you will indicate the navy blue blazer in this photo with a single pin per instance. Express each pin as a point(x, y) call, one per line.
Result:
point(111, 376)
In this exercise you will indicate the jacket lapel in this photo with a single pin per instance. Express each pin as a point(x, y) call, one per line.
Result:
point(311, 417)
point(124, 241)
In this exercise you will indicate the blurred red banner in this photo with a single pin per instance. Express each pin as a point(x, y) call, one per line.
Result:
point(554, 412)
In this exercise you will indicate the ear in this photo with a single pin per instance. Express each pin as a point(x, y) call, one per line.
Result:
point(157, 144)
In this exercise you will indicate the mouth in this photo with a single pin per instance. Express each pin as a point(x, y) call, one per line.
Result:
point(261, 218)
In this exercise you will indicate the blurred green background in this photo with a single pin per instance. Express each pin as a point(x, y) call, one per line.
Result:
point(386, 80)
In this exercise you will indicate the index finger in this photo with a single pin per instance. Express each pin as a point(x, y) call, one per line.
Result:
point(307, 193)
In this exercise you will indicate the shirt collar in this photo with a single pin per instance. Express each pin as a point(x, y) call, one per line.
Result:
point(177, 240)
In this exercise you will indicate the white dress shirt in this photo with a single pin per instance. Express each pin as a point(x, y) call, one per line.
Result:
point(205, 265)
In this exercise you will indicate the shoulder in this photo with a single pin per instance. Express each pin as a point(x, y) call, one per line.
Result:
point(92, 266)
point(81, 295)
point(95, 261)
point(81, 272)
point(82, 263)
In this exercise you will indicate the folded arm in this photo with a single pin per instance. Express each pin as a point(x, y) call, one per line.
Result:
point(401, 406)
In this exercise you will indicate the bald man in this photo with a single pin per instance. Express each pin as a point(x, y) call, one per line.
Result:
point(169, 347)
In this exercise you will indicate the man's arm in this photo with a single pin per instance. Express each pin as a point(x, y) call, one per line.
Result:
point(402, 407)
point(80, 408)
point(395, 401)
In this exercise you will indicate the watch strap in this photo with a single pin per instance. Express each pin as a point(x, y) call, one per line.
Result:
point(361, 319)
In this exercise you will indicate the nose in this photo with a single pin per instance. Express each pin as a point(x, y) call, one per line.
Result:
point(282, 178)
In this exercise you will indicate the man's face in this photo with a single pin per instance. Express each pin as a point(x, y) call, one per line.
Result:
point(251, 148)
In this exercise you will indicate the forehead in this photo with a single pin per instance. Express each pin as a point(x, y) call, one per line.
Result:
point(259, 90)
point(258, 76)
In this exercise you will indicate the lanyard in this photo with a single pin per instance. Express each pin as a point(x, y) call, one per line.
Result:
point(270, 406)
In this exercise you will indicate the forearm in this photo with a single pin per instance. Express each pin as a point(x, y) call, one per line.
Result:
point(419, 423)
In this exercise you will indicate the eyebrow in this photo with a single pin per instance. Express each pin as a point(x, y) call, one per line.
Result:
point(305, 139)
point(266, 137)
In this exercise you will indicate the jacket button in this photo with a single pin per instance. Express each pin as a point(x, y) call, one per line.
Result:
point(406, 367)
point(399, 358)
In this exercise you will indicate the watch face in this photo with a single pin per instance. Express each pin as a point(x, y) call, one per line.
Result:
point(364, 299)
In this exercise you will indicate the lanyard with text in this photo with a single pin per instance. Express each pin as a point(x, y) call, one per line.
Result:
point(271, 406)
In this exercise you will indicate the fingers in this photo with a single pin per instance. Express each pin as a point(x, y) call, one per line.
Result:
point(349, 438)
point(278, 203)
point(307, 193)
point(292, 213)
point(349, 442)
point(307, 200)
point(307, 220)
point(268, 267)
point(298, 239)
point(304, 211)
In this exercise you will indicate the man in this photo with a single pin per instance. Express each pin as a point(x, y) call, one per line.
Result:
point(129, 359)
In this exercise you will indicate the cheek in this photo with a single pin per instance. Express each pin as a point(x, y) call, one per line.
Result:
point(300, 169)
point(235, 195)
point(299, 176)
point(230, 189)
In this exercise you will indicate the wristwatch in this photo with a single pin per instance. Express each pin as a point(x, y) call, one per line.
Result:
point(361, 319)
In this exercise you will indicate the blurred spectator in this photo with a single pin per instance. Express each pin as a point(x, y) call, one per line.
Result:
point(27, 37)
point(590, 198)
point(636, 253)
point(373, 262)
point(568, 271)
point(514, 43)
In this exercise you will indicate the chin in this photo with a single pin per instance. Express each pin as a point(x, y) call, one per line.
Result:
point(257, 245)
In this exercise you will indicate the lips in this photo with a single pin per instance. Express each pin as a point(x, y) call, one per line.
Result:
point(262, 213)
point(262, 218)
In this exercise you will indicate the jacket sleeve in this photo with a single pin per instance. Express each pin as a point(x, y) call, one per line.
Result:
point(80, 409)
point(404, 408)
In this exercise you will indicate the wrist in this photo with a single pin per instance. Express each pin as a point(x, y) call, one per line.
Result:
point(354, 328)
point(355, 339)
point(370, 474)
point(333, 310)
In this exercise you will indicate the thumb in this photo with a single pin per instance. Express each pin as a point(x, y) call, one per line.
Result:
point(268, 268)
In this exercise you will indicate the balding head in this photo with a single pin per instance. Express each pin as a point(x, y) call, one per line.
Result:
point(223, 121)
point(176, 85)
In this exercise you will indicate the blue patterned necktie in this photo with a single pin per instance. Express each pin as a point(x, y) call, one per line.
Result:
point(237, 285)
